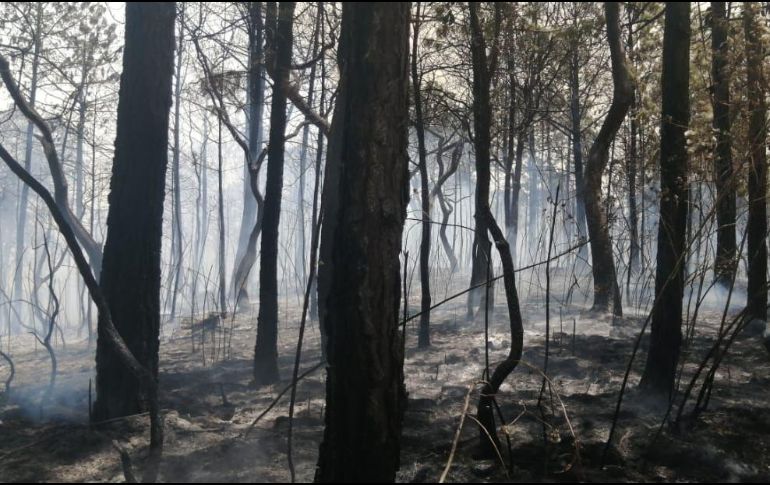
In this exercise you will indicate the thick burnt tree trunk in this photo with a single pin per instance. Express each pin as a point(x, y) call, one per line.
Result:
point(365, 199)
point(130, 278)
point(666, 335)
point(280, 35)
point(757, 224)
point(606, 291)
point(724, 266)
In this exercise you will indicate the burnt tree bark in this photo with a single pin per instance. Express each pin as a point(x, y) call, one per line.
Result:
point(365, 199)
point(606, 291)
point(484, 66)
point(176, 215)
point(280, 35)
point(666, 334)
point(631, 171)
point(437, 192)
point(724, 266)
point(577, 148)
point(251, 223)
point(757, 223)
point(419, 124)
point(131, 271)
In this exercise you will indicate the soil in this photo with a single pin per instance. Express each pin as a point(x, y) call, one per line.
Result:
point(563, 439)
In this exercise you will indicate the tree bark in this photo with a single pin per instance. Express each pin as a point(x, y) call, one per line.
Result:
point(666, 334)
point(176, 219)
point(280, 36)
point(483, 68)
point(365, 199)
point(757, 223)
point(131, 266)
point(251, 222)
point(606, 291)
point(724, 266)
point(419, 124)
point(577, 149)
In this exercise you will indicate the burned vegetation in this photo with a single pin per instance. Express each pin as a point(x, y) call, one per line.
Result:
point(380, 242)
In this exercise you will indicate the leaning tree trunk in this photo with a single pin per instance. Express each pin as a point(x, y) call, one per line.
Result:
point(724, 266)
point(280, 35)
point(666, 335)
point(757, 223)
point(365, 199)
point(606, 291)
point(131, 264)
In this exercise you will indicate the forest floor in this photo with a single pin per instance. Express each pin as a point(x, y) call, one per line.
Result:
point(562, 440)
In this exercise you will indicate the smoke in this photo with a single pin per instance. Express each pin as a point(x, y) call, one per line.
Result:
point(66, 403)
point(714, 297)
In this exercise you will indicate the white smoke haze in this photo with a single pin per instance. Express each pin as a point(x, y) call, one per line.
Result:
point(206, 380)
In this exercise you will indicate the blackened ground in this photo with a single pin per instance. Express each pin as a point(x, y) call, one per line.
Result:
point(562, 440)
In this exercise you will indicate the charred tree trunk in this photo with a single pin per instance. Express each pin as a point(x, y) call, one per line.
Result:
point(513, 235)
point(131, 265)
point(631, 177)
point(724, 266)
point(510, 144)
point(365, 199)
point(221, 222)
point(247, 254)
point(446, 207)
point(280, 36)
point(300, 248)
point(317, 211)
point(606, 291)
point(176, 219)
point(577, 149)
point(21, 224)
point(424, 333)
point(483, 68)
point(666, 336)
point(757, 223)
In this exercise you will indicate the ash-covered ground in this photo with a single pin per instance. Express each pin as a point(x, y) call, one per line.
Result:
point(562, 439)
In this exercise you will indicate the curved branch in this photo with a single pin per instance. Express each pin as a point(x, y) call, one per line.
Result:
point(60, 196)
